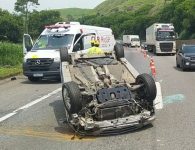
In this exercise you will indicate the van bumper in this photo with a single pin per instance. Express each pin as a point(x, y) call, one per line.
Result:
point(41, 71)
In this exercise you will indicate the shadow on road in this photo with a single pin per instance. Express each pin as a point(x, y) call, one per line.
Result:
point(187, 70)
point(43, 81)
point(58, 108)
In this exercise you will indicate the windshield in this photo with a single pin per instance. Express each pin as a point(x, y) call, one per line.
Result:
point(189, 49)
point(165, 35)
point(135, 39)
point(54, 41)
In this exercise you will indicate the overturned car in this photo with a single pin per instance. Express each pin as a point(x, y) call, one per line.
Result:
point(102, 96)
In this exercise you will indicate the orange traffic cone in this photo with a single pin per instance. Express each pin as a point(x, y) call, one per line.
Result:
point(152, 67)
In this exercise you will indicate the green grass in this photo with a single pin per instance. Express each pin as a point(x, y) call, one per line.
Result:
point(10, 54)
point(10, 71)
point(11, 57)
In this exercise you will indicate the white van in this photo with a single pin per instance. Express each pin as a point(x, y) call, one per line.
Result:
point(42, 60)
point(131, 40)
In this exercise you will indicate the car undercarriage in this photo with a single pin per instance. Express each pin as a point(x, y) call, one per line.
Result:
point(102, 97)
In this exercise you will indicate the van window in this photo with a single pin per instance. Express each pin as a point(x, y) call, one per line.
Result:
point(55, 41)
point(134, 39)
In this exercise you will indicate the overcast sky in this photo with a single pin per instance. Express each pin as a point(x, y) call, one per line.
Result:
point(54, 4)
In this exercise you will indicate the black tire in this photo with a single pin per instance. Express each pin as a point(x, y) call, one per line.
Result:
point(64, 55)
point(119, 51)
point(71, 97)
point(183, 67)
point(148, 91)
point(33, 79)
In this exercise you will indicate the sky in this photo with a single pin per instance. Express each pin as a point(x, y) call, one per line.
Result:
point(54, 4)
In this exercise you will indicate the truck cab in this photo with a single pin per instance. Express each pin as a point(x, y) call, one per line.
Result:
point(160, 38)
point(42, 59)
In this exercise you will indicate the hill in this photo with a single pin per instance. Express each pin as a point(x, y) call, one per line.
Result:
point(113, 6)
point(72, 14)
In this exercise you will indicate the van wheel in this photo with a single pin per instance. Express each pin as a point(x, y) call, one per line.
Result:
point(33, 79)
point(64, 55)
point(71, 97)
point(148, 90)
point(119, 51)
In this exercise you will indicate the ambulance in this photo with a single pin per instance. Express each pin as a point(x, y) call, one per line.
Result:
point(42, 59)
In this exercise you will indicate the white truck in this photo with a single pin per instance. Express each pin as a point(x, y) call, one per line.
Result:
point(161, 38)
point(42, 59)
point(131, 40)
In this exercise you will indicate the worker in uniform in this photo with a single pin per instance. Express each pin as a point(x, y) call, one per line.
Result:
point(95, 50)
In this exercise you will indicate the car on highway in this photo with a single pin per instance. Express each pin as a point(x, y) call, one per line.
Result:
point(185, 57)
point(102, 96)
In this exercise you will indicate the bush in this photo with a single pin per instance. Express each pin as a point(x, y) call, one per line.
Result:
point(10, 54)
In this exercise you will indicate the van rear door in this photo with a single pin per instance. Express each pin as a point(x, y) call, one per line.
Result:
point(27, 43)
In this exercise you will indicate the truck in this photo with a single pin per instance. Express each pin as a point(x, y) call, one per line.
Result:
point(131, 40)
point(161, 38)
point(42, 59)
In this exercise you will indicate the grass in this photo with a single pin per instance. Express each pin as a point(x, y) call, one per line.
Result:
point(9, 71)
point(11, 57)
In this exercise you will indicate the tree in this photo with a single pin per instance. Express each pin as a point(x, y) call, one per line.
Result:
point(23, 7)
point(38, 21)
point(10, 27)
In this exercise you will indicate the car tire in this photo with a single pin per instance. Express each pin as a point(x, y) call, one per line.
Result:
point(33, 79)
point(71, 97)
point(64, 57)
point(148, 91)
point(119, 51)
point(183, 68)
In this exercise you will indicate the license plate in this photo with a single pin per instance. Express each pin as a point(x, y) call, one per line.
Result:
point(37, 75)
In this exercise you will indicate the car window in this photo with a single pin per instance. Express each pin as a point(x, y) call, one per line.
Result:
point(189, 49)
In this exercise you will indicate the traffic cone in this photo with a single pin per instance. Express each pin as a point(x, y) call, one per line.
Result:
point(152, 67)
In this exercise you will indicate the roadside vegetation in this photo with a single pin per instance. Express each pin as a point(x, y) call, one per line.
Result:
point(133, 17)
point(11, 57)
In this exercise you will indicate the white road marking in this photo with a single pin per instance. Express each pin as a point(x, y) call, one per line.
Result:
point(158, 102)
point(28, 105)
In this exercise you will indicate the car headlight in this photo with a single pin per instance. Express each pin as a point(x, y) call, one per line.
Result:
point(188, 58)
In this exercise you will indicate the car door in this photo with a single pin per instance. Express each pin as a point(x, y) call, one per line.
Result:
point(27, 43)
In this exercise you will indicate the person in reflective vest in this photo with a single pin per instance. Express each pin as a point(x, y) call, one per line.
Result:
point(95, 50)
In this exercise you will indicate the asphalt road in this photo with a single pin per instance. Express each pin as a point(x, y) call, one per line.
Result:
point(35, 114)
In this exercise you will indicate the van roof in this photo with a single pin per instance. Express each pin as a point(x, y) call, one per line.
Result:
point(72, 28)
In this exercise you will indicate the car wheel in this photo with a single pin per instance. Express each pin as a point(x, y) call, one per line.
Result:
point(119, 51)
point(33, 79)
point(183, 67)
point(71, 97)
point(148, 90)
point(64, 55)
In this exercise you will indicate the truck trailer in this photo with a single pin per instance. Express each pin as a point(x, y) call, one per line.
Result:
point(161, 38)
